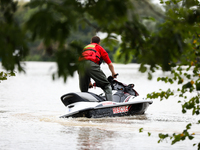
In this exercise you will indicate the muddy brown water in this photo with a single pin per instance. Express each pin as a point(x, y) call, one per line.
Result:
point(30, 108)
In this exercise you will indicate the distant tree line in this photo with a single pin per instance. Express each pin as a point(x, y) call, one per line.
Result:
point(39, 52)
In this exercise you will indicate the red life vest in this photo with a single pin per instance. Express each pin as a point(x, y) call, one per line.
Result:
point(90, 53)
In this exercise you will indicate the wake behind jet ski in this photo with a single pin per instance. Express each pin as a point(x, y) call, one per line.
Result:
point(126, 102)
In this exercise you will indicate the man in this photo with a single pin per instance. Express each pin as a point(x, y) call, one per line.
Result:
point(93, 54)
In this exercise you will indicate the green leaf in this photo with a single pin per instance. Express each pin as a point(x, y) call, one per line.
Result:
point(198, 86)
point(142, 68)
point(189, 126)
point(163, 136)
point(141, 130)
point(149, 134)
point(168, 2)
point(149, 76)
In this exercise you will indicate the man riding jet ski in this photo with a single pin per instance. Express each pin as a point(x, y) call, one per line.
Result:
point(91, 58)
point(126, 101)
point(85, 104)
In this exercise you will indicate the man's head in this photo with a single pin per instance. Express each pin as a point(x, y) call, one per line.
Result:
point(95, 39)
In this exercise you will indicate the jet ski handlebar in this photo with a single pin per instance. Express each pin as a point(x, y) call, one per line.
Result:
point(116, 75)
point(110, 78)
point(116, 85)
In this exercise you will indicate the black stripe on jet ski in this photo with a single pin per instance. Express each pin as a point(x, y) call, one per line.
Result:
point(72, 98)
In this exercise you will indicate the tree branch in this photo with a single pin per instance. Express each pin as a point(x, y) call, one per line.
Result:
point(92, 25)
point(150, 7)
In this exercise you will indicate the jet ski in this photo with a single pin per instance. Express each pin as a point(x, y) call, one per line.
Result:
point(126, 102)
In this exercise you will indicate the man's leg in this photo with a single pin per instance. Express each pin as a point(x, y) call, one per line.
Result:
point(108, 92)
point(100, 78)
point(84, 79)
point(84, 83)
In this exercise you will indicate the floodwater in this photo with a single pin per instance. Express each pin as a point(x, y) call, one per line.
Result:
point(30, 108)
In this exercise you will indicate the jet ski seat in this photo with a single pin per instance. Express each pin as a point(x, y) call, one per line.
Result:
point(70, 98)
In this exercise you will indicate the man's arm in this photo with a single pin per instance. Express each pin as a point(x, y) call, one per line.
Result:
point(111, 67)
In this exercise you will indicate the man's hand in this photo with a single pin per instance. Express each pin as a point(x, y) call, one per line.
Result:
point(90, 85)
point(115, 75)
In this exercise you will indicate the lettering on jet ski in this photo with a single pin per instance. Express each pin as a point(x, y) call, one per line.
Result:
point(122, 109)
point(107, 103)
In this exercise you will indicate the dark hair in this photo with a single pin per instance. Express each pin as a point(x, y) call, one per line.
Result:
point(95, 39)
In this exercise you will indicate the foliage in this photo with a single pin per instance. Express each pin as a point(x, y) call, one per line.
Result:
point(71, 64)
point(83, 32)
point(66, 17)
point(12, 39)
point(54, 22)
point(184, 64)
point(178, 137)
point(4, 76)
point(188, 84)
point(123, 57)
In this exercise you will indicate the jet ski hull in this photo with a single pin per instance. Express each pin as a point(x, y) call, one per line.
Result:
point(114, 110)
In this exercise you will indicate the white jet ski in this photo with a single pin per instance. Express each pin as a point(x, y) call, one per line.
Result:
point(126, 102)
